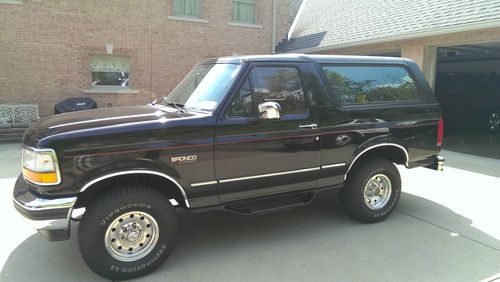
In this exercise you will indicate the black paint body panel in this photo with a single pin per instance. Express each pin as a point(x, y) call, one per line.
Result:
point(94, 143)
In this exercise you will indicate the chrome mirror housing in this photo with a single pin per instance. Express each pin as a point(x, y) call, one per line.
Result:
point(269, 110)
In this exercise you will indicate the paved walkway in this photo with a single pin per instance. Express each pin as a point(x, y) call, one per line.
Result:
point(444, 229)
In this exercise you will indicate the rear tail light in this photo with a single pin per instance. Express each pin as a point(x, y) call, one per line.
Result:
point(440, 132)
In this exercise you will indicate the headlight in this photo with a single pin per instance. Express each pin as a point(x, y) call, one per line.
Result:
point(40, 166)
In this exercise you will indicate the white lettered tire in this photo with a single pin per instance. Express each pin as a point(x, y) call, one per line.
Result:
point(372, 190)
point(127, 232)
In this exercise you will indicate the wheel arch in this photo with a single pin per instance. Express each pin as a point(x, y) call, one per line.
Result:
point(154, 179)
point(391, 151)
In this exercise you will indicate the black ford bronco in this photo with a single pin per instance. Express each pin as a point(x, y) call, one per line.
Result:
point(249, 134)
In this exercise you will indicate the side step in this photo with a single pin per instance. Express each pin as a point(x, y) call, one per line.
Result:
point(271, 204)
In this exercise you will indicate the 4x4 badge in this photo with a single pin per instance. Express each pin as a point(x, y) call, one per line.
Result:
point(184, 159)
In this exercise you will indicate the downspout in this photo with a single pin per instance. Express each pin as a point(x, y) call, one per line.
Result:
point(273, 37)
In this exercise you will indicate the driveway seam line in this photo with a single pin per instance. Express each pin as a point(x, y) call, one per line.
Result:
point(449, 230)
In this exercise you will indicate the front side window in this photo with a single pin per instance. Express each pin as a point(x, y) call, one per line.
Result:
point(245, 11)
point(109, 70)
point(187, 8)
point(274, 92)
point(204, 86)
point(279, 85)
point(365, 84)
point(242, 104)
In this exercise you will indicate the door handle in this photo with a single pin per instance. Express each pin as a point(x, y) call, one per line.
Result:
point(308, 126)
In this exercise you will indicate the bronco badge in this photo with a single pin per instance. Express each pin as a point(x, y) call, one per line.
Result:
point(183, 159)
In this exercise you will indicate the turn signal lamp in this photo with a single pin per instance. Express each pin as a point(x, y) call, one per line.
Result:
point(40, 166)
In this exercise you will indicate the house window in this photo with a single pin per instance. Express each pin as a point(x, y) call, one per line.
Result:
point(109, 70)
point(187, 8)
point(245, 11)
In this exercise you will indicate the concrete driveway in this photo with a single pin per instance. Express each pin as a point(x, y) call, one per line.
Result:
point(445, 228)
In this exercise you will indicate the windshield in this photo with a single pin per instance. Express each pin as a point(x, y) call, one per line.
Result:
point(203, 86)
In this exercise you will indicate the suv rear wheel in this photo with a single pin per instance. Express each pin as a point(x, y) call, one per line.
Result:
point(127, 232)
point(372, 190)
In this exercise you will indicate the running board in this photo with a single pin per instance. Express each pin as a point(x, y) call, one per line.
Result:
point(271, 204)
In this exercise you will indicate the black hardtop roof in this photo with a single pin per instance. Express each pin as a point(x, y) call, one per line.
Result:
point(322, 59)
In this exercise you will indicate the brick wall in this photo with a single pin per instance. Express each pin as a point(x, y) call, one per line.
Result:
point(45, 45)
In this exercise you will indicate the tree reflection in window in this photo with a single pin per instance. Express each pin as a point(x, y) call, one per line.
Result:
point(360, 84)
point(281, 85)
point(242, 104)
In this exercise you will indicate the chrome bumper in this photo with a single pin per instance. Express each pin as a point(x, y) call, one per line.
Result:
point(439, 163)
point(51, 217)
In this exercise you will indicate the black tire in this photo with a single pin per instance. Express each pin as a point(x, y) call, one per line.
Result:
point(353, 193)
point(107, 210)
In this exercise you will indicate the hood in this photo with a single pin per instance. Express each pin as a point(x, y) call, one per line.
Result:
point(101, 119)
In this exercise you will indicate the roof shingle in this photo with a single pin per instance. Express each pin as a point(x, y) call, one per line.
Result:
point(338, 23)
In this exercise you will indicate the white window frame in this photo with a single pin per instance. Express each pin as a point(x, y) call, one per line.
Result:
point(12, 2)
point(234, 22)
point(109, 88)
point(189, 18)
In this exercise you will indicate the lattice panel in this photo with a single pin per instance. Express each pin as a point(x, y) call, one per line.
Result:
point(18, 115)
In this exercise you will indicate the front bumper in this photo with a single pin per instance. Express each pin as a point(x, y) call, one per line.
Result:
point(51, 217)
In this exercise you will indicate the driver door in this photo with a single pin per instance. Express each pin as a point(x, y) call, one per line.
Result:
point(266, 140)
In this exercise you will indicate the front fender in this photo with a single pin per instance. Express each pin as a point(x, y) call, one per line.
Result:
point(137, 165)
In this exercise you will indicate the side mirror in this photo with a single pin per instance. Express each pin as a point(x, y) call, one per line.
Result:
point(269, 110)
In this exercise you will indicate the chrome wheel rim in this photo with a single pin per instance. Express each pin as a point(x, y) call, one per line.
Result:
point(377, 191)
point(131, 236)
point(494, 121)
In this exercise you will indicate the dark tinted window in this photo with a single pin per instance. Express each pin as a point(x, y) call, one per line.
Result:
point(242, 104)
point(281, 85)
point(363, 84)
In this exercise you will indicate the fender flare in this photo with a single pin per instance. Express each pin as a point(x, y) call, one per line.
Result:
point(400, 147)
point(111, 175)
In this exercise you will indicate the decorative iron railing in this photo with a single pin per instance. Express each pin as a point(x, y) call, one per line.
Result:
point(18, 115)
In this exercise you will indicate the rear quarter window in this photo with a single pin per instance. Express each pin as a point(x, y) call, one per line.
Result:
point(354, 85)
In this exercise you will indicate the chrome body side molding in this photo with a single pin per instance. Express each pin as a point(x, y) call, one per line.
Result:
point(265, 175)
point(268, 175)
point(204, 183)
point(333, 165)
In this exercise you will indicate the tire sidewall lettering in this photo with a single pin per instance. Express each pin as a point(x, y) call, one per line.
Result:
point(393, 199)
point(388, 208)
point(141, 266)
point(110, 216)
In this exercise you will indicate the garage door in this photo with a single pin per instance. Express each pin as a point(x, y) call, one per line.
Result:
point(468, 89)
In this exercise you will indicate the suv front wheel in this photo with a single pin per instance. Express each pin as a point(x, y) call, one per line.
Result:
point(372, 190)
point(127, 232)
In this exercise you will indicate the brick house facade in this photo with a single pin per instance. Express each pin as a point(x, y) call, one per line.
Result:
point(46, 46)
